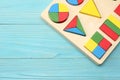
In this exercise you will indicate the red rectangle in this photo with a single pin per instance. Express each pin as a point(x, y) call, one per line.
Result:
point(109, 32)
point(117, 10)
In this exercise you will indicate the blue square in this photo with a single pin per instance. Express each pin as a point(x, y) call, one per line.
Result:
point(99, 52)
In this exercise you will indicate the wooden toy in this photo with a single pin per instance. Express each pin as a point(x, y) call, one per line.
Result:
point(117, 10)
point(91, 25)
point(75, 27)
point(90, 8)
point(58, 13)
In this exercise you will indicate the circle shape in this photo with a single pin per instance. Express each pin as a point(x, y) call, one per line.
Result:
point(58, 13)
point(75, 2)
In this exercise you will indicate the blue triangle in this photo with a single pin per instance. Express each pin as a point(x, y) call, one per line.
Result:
point(76, 31)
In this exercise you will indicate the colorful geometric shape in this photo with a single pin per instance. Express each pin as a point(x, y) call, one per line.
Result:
point(97, 37)
point(117, 10)
point(114, 20)
point(75, 27)
point(54, 17)
point(58, 13)
point(105, 44)
point(54, 8)
point(114, 36)
point(75, 2)
point(112, 26)
point(63, 8)
point(62, 16)
point(98, 45)
point(99, 52)
point(90, 9)
point(90, 45)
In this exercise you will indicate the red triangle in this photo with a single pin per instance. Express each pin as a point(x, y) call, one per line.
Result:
point(72, 24)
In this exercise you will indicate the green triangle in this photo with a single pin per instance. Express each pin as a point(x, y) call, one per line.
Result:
point(79, 26)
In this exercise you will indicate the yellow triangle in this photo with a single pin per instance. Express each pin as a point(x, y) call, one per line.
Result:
point(90, 9)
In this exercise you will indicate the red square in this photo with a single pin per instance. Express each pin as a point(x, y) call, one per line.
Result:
point(105, 44)
point(118, 10)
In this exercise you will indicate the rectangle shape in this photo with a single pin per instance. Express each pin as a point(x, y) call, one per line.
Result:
point(114, 20)
point(109, 32)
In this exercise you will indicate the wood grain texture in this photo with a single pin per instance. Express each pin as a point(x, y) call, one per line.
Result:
point(31, 50)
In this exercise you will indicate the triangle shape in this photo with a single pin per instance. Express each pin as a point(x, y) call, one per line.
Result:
point(75, 26)
point(72, 24)
point(90, 9)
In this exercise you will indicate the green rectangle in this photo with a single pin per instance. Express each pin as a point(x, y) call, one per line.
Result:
point(112, 26)
point(97, 37)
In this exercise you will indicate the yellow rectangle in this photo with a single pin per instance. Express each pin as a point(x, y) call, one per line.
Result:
point(114, 20)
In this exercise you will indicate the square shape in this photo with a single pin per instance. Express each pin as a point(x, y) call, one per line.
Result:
point(105, 44)
point(99, 52)
point(91, 45)
point(117, 10)
point(97, 37)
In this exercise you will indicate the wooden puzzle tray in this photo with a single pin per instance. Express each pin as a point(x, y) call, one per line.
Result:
point(91, 25)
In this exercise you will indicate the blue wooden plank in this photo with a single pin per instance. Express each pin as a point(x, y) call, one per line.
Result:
point(22, 12)
point(37, 68)
point(62, 78)
point(34, 41)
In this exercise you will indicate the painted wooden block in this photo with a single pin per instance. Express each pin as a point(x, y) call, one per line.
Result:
point(75, 26)
point(98, 45)
point(90, 8)
point(117, 10)
point(85, 18)
point(58, 13)
point(109, 32)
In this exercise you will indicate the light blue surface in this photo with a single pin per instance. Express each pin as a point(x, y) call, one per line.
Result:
point(31, 50)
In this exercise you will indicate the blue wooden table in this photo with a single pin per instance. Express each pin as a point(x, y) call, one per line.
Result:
point(31, 50)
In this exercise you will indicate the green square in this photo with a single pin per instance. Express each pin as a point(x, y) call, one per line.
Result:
point(97, 37)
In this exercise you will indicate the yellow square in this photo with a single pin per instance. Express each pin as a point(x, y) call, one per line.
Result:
point(91, 45)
